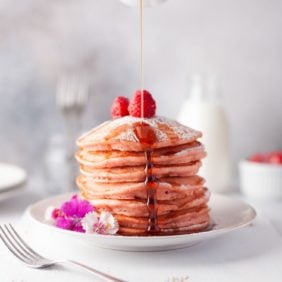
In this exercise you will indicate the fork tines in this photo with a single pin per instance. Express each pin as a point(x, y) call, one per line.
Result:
point(17, 245)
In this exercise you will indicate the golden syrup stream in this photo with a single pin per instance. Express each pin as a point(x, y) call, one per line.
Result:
point(146, 136)
point(142, 57)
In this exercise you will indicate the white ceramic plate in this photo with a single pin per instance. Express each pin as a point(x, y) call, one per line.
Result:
point(227, 213)
point(11, 176)
point(12, 179)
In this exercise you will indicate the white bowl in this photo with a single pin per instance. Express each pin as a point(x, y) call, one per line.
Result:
point(260, 180)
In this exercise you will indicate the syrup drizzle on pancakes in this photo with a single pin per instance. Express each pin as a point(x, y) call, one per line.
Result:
point(146, 136)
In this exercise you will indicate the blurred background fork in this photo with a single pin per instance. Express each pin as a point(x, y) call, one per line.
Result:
point(71, 99)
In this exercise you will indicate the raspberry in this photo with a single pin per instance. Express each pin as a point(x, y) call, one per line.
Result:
point(120, 107)
point(258, 158)
point(275, 158)
point(135, 105)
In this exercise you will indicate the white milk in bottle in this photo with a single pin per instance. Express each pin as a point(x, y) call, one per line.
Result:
point(202, 111)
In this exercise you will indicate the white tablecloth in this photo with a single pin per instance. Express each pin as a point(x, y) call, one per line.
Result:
point(251, 254)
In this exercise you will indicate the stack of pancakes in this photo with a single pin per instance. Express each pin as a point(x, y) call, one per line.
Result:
point(112, 164)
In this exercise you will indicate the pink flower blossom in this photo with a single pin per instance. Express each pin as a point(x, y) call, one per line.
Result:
point(76, 207)
point(69, 215)
point(80, 216)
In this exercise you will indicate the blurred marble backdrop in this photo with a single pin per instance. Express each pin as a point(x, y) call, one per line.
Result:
point(239, 40)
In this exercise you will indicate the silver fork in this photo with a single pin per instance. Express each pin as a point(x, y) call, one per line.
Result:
point(31, 258)
point(71, 98)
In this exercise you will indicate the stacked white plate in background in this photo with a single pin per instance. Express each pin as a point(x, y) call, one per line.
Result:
point(12, 180)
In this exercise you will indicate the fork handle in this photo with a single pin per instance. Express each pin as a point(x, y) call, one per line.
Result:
point(100, 274)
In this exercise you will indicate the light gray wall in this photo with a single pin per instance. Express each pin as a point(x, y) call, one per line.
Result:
point(240, 40)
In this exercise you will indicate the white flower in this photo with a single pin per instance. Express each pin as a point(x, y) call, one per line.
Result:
point(88, 221)
point(48, 216)
point(103, 224)
point(110, 222)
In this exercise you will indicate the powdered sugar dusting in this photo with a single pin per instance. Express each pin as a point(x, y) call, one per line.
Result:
point(183, 132)
point(161, 136)
point(126, 126)
point(128, 135)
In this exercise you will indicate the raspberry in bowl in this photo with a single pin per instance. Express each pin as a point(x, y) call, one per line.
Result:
point(261, 176)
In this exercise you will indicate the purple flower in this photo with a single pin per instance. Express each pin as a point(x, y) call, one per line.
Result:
point(71, 212)
point(73, 224)
point(76, 207)
point(63, 223)
point(80, 216)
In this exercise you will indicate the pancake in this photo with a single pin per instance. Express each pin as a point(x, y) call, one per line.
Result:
point(175, 220)
point(138, 208)
point(171, 155)
point(118, 134)
point(129, 174)
point(191, 228)
point(168, 189)
point(114, 172)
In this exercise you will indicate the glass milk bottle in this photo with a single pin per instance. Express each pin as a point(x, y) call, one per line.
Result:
point(203, 111)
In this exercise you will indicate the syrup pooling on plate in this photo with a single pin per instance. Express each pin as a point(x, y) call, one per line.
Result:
point(146, 136)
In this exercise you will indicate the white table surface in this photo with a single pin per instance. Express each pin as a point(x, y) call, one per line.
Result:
point(253, 253)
